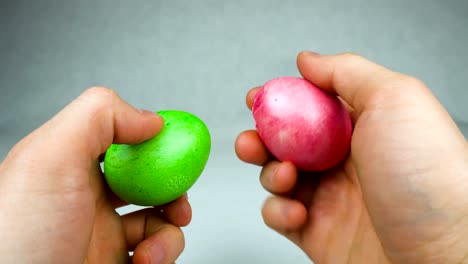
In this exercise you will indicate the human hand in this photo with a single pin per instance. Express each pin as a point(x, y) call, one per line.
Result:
point(56, 207)
point(399, 197)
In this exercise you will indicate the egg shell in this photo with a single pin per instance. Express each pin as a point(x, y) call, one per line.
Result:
point(163, 168)
point(301, 123)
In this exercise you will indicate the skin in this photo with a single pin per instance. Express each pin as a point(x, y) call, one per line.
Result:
point(55, 204)
point(399, 197)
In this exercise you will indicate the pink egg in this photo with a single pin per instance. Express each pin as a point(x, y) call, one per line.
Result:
point(301, 123)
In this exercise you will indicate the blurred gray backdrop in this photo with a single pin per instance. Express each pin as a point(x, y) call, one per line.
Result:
point(202, 57)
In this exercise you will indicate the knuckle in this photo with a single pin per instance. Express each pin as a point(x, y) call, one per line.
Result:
point(351, 57)
point(178, 235)
point(98, 106)
point(402, 90)
point(413, 82)
point(351, 61)
point(101, 96)
point(411, 85)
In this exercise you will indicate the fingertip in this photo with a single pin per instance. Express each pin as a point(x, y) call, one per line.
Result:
point(156, 121)
point(186, 216)
point(178, 212)
point(284, 214)
point(164, 244)
point(151, 114)
point(305, 54)
point(250, 148)
point(138, 130)
point(241, 146)
point(313, 69)
point(251, 96)
point(286, 177)
point(279, 177)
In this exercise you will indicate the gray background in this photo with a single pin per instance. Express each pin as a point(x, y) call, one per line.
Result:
point(202, 57)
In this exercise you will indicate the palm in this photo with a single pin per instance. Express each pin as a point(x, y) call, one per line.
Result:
point(105, 224)
point(338, 228)
point(396, 219)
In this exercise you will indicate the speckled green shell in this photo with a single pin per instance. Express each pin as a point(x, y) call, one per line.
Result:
point(163, 168)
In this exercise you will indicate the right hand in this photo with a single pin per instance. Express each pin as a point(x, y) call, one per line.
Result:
point(401, 195)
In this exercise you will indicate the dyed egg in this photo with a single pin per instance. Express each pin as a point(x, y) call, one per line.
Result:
point(163, 168)
point(299, 122)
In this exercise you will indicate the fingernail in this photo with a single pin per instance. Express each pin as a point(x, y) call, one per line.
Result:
point(313, 53)
point(147, 112)
point(150, 113)
point(157, 254)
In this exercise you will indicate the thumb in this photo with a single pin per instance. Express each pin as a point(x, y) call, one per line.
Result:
point(366, 86)
point(89, 125)
point(358, 81)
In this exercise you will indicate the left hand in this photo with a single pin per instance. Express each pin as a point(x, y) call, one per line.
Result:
point(55, 204)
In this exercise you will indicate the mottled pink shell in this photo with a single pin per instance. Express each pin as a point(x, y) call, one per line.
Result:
point(301, 123)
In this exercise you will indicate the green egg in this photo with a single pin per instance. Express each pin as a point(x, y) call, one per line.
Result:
point(163, 168)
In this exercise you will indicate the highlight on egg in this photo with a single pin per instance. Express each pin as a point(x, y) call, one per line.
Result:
point(299, 122)
point(163, 168)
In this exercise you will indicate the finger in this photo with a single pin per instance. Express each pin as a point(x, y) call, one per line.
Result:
point(306, 186)
point(250, 148)
point(251, 96)
point(279, 177)
point(134, 225)
point(284, 215)
point(163, 244)
point(94, 120)
point(178, 212)
point(357, 81)
point(152, 239)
